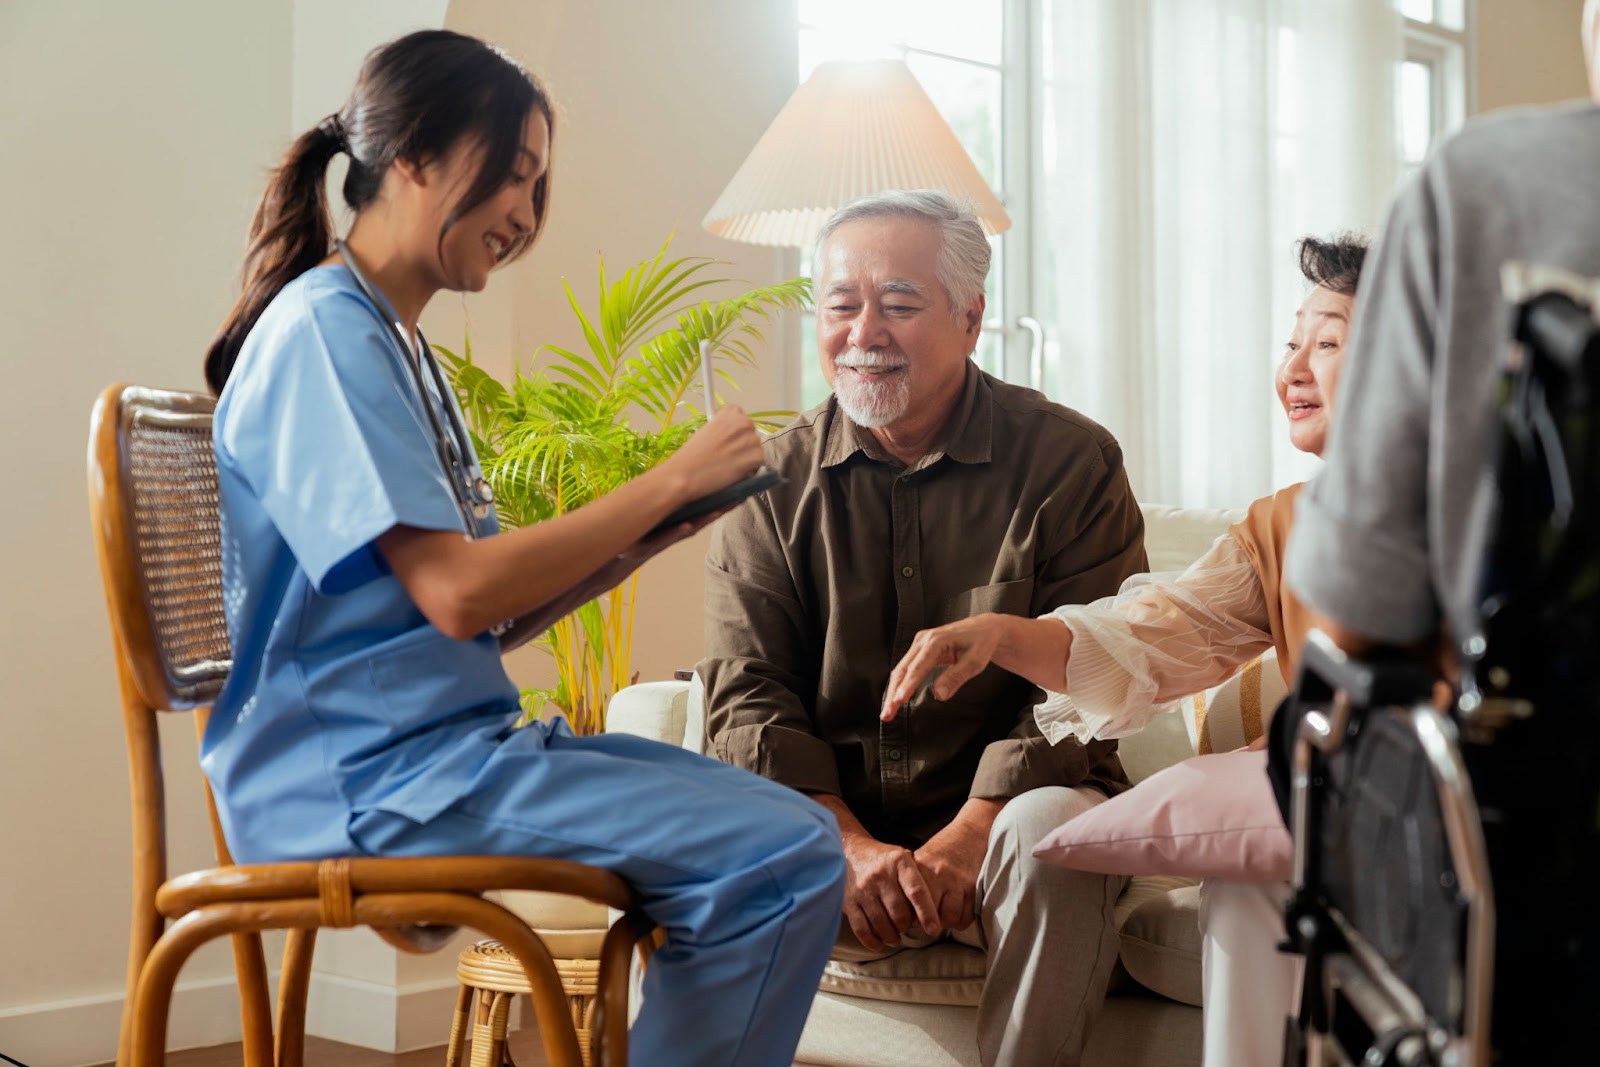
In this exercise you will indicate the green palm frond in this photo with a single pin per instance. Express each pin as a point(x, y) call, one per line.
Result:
point(598, 415)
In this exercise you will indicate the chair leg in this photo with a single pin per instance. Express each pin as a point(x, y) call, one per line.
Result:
point(609, 1019)
point(579, 977)
point(294, 986)
point(489, 1032)
point(153, 998)
point(549, 998)
point(499, 1024)
point(250, 969)
point(458, 1027)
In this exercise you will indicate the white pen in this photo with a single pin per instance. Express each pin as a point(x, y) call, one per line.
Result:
point(705, 378)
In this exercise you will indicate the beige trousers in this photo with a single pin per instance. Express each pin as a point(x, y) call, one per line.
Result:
point(1047, 932)
point(1250, 987)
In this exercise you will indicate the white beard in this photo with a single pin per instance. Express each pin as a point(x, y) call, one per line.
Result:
point(871, 405)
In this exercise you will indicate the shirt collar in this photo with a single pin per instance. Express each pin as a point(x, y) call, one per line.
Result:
point(970, 438)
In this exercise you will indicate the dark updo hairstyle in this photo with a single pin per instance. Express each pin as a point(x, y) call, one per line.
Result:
point(1335, 263)
point(415, 99)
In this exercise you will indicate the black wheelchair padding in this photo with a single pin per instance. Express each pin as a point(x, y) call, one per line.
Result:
point(1386, 864)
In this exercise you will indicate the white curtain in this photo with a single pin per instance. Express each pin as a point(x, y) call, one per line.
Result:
point(1187, 144)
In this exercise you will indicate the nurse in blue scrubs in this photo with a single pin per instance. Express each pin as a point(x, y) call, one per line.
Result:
point(368, 712)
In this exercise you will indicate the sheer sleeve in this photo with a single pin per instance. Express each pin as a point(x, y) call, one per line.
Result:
point(1163, 636)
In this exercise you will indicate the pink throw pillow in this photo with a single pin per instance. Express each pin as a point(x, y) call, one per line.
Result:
point(1211, 816)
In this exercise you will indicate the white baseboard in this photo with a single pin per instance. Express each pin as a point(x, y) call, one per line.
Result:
point(380, 1017)
point(83, 1030)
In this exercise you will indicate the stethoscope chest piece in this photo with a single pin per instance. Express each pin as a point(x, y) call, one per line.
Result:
point(482, 494)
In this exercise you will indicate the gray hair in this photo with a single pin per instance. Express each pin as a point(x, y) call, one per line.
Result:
point(964, 252)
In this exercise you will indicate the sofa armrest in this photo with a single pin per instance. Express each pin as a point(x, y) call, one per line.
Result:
point(656, 710)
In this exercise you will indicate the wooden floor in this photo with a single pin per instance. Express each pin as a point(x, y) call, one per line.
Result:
point(319, 1053)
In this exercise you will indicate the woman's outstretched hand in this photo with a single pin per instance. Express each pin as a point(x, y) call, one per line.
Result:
point(950, 656)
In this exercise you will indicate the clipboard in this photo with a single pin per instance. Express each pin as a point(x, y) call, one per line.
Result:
point(763, 479)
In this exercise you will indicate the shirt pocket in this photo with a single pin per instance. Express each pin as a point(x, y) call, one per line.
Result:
point(1001, 598)
point(993, 689)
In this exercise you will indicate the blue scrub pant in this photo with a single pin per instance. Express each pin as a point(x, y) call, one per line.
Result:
point(745, 876)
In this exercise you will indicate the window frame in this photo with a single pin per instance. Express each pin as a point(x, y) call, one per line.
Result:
point(1450, 54)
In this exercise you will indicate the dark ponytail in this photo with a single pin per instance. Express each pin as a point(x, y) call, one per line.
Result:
point(289, 234)
point(415, 98)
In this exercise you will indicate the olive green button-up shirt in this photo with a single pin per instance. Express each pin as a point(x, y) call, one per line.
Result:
point(815, 589)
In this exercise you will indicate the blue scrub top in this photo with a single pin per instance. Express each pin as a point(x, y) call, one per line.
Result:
point(343, 697)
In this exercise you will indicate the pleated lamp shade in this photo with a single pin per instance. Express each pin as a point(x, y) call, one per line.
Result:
point(852, 129)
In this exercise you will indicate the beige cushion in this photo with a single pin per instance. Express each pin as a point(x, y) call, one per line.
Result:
point(943, 973)
point(1136, 1031)
point(1231, 715)
point(1176, 537)
point(657, 710)
point(1158, 916)
point(1159, 919)
point(1163, 742)
point(572, 928)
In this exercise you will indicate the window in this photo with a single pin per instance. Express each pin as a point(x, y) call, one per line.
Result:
point(1433, 89)
point(985, 67)
point(962, 53)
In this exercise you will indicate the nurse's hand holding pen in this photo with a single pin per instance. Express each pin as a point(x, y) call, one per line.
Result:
point(724, 450)
point(537, 573)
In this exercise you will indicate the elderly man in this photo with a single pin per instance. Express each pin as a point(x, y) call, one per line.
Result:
point(924, 491)
point(1389, 541)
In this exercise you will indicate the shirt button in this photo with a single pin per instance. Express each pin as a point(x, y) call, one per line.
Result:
point(894, 753)
point(907, 571)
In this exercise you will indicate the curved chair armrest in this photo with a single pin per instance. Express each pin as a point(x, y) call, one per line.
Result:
point(656, 710)
point(432, 874)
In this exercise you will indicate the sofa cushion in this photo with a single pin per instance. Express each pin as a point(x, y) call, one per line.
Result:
point(1175, 537)
point(1211, 816)
point(1165, 740)
point(944, 973)
point(572, 928)
point(1159, 920)
point(1158, 917)
point(1231, 715)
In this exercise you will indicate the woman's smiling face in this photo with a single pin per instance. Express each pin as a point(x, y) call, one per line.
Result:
point(1309, 371)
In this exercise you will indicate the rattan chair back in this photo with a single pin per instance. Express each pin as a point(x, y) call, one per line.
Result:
point(161, 539)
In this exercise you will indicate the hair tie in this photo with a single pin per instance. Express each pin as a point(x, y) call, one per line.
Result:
point(332, 128)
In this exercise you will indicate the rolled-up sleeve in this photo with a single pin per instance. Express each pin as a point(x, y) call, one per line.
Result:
point(1359, 553)
point(1097, 554)
point(1163, 637)
point(757, 670)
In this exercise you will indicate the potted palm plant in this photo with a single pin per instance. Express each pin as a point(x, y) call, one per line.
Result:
point(556, 438)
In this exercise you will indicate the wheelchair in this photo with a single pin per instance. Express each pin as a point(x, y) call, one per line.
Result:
point(1447, 850)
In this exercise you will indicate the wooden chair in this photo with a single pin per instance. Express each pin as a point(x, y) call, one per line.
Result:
point(153, 500)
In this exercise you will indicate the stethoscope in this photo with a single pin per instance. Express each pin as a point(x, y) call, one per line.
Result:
point(470, 490)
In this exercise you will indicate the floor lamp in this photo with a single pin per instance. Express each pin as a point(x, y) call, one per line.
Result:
point(853, 128)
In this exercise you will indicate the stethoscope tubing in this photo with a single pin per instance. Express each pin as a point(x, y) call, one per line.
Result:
point(451, 443)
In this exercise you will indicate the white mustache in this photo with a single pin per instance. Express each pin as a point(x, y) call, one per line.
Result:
point(856, 359)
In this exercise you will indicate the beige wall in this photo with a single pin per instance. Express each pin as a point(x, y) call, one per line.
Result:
point(1529, 52)
point(132, 157)
point(135, 138)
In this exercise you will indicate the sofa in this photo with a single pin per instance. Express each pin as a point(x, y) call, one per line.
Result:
point(918, 1008)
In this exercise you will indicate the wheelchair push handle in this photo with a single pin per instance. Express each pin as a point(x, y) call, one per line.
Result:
point(1561, 330)
point(1383, 680)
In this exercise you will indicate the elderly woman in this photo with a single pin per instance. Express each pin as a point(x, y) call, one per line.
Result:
point(1108, 667)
